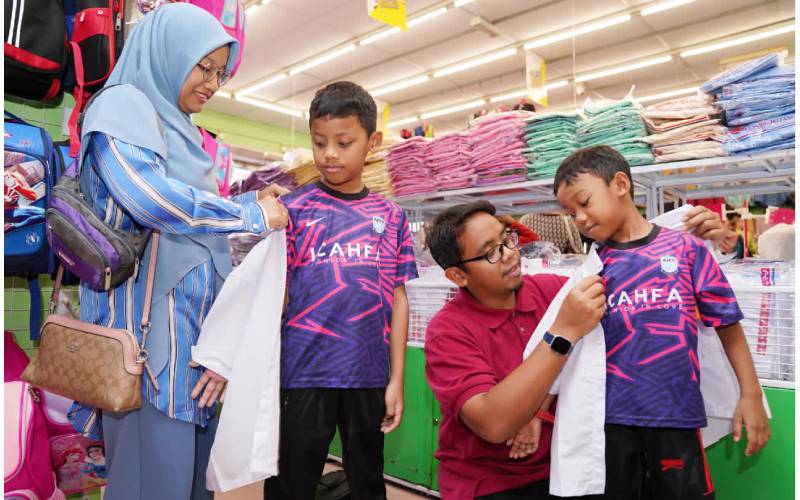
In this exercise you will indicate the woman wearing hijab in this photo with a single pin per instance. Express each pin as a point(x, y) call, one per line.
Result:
point(144, 168)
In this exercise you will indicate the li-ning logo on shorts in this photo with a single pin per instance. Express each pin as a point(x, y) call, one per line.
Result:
point(669, 264)
point(32, 238)
point(378, 224)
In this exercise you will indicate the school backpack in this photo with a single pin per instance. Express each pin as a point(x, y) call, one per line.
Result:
point(35, 48)
point(220, 154)
point(229, 12)
point(31, 167)
point(95, 46)
point(27, 468)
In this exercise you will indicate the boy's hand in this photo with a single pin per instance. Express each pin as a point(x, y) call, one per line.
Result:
point(704, 224)
point(582, 309)
point(276, 215)
point(750, 412)
point(394, 407)
point(274, 190)
point(526, 442)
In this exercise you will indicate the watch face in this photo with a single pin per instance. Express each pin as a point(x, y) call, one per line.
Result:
point(561, 345)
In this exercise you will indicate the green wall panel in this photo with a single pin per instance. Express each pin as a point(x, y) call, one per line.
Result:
point(251, 134)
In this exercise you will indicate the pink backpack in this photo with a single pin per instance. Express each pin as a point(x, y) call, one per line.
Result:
point(220, 154)
point(28, 472)
point(229, 12)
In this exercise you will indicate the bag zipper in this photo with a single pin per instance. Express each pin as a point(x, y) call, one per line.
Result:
point(106, 264)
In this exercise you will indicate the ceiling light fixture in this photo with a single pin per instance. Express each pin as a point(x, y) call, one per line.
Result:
point(261, 85)
point(410, 24)
point(667, 95)
point(271, 107)
point(622, 69)
point(453, 109)
point(661, 7)
point(399, 85)
point(323, 59)
point(565, 35)
point(223, 94)
point(255, 5)
point(738, 41)
point(461, 3)
point(475, 62)
point(403, 121)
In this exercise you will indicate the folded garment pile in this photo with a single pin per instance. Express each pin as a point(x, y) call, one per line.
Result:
point(449, 160)
point(617, 124)
point(496, 143)
point(272, 173)
point(549, 138)
point(408, 169)
point(687, 128)
point(757, 99)
point(376, 173)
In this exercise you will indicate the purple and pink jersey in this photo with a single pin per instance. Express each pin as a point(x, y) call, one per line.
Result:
point(346, 254)
point(656, 290)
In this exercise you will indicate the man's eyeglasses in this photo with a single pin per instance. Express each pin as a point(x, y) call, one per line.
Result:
point(210, 72)
point(495, 253)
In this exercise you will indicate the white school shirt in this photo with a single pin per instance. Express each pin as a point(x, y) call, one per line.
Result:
point(240, 340)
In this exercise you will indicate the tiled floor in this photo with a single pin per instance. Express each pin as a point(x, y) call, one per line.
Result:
point(256, 491)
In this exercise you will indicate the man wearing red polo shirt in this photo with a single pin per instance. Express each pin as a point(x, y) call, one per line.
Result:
point(473, 353)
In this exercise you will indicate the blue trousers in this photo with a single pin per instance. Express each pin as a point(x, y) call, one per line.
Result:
point(151, 456)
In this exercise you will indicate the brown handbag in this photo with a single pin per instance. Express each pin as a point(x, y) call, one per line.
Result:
point(92, 364)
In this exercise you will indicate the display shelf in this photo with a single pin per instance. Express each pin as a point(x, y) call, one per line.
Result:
point(771, 172)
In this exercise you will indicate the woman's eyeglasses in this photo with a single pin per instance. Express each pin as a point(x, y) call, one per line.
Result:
point(210, 72)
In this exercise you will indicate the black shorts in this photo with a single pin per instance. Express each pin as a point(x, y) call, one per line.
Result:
point(651, 463)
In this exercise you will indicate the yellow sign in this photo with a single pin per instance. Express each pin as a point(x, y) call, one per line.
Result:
point(536, 78)
point(385, 121)
point(391, 12)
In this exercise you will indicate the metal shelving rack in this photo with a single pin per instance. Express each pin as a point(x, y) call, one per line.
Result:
point(766, 173)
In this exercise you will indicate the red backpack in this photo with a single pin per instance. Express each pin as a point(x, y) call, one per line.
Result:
point(96, 44)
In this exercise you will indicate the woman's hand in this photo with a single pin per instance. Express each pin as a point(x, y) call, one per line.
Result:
point(211, 385)
point(274, 190)
point(276, 215)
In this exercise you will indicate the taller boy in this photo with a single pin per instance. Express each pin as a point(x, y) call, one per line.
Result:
point(346, 322)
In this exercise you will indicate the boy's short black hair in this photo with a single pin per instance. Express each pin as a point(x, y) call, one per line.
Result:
point(343, 99)
point(601, 161)
point(442, 236)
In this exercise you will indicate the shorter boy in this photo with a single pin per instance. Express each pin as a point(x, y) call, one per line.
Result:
point(658, 282)
point(344, 329)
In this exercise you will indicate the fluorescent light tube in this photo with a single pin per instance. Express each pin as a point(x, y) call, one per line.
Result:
point(737, 41)
point(399, 85)
point(564, 35)
point(660, 7)
point(622, 69)
point(453, 109)
point(323, 59)
point(410, 23)
point(403, 121)
point(270, 106)
point(667, 95)
point(475, 62)
point(261, 85)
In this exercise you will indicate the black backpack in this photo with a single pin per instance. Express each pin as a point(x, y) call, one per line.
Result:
point(35, 48)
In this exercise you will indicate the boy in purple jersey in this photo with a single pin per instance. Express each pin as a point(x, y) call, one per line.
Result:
point(344, 329)
point(658, 283)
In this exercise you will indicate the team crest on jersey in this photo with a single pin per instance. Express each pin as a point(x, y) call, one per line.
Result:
point(669, 264)
point(378, 224)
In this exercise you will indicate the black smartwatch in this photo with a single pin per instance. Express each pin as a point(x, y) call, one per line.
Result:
point(558, 343)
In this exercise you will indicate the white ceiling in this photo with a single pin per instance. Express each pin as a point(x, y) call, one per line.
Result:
point(284, 33)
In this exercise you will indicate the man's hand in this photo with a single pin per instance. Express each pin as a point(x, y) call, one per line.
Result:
point(704, 224)
point(526, 442)
point(276, 215)
point(274, 190)
point(582, 309)
point(394, 407)
point(750, 412)
point(211, 385)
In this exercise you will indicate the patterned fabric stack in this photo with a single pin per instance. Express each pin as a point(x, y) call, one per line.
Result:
point(272, 173)
point(617, 124)
point(549, 139)
point(376, 173)
point(684, 129)
point(757, 98)
point(497, 142)
point(448, 158)
point(407, 168)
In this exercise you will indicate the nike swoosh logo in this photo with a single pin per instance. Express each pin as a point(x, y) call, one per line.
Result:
point(312, 222)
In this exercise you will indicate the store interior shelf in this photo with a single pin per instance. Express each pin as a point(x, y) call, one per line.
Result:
point(766, 173)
